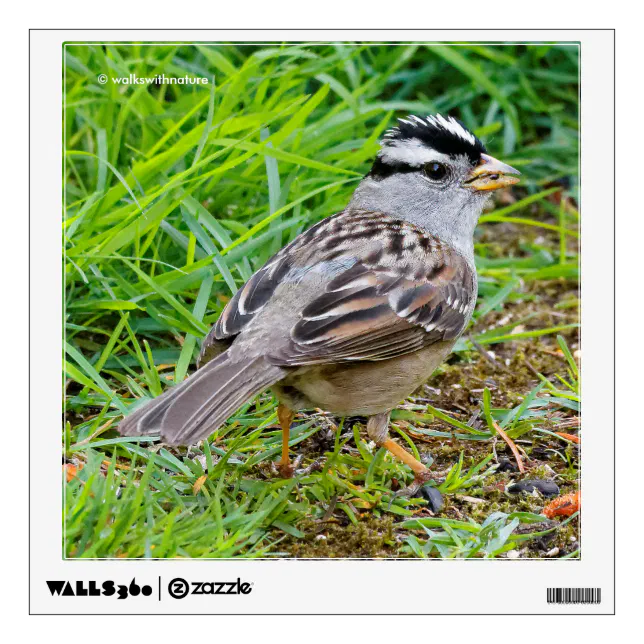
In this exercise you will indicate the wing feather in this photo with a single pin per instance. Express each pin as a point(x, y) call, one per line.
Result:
point(398, 290)
point(379, 310)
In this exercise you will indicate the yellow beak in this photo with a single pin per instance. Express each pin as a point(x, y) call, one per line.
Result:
point(491, 174)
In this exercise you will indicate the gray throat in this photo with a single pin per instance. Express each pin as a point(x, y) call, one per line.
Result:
point(451, 216)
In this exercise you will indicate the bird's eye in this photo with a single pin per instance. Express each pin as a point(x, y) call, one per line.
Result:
point(436, 171)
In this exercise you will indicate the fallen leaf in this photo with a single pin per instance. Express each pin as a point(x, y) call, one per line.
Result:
point(71, 471)
point(199, 484)
point(564, 506)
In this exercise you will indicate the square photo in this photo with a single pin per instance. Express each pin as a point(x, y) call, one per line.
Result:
point(321, 301)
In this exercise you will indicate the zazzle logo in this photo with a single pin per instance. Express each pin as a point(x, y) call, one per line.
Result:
point(179, 588)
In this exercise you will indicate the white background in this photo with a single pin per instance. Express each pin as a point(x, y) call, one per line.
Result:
point(364, 582)
point(629, 261)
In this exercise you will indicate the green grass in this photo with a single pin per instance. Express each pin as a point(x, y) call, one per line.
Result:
point(175, 195)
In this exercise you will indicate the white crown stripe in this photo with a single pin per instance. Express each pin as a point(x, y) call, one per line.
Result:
point(418, 141)
point(452, 125)
point(449, 124)
point(410, 152)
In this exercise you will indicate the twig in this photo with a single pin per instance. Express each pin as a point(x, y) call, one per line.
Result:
point(486, 354)
point(329, 511)
point(473, 418)
point(534, 371)
point(100, 430)
point(496, 457)
point(571, 437)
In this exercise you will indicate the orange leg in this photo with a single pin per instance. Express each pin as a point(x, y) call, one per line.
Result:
point(285, 417)
point(377, 428)
point(419, 470)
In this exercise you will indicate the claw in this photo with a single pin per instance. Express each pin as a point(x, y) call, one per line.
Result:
point(286, 470)
point(420, 478)
point(313, 467)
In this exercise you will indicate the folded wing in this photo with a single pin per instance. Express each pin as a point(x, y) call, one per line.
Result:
point(402, 289)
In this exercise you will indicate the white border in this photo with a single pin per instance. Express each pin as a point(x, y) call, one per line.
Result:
point(330, 586)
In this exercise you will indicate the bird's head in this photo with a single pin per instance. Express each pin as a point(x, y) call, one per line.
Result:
point(436, 173)
point(444, 153)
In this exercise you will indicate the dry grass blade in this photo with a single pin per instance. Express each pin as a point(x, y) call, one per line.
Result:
point(512, 446)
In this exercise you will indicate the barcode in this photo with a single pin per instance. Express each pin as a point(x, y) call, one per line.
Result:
point(574, 595)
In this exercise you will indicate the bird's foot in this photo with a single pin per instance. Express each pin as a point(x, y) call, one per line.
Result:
point(316, 466)
point(289, 470)
point(419, 487)
point(420, 478)
point(285, 470)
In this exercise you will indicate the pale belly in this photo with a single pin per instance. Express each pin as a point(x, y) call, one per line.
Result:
point(361, 388)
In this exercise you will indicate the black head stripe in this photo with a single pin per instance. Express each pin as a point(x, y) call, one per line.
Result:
point(445, 135)
point(380, 169)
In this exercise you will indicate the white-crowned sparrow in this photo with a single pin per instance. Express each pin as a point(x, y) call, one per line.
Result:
point(357, 312)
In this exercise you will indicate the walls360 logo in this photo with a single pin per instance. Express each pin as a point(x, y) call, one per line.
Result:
point(178, 588)
point(95, 589)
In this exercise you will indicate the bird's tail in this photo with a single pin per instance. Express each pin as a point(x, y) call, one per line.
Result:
point(190, 411)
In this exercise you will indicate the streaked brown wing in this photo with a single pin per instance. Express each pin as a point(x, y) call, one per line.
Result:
point(403, 290)
point(255, 294)
point(380, 312)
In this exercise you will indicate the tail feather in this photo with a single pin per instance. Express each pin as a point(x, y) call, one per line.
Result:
point(189, 412)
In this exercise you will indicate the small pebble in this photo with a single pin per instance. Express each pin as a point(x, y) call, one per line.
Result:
point(201, 459)
point(548, 470)
point(512, 554)
point(426, 459)
point(552, 553)
point(320, 537)
point(547, 488)
point(433, 497)
point(506, 466)
point(471, 499)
